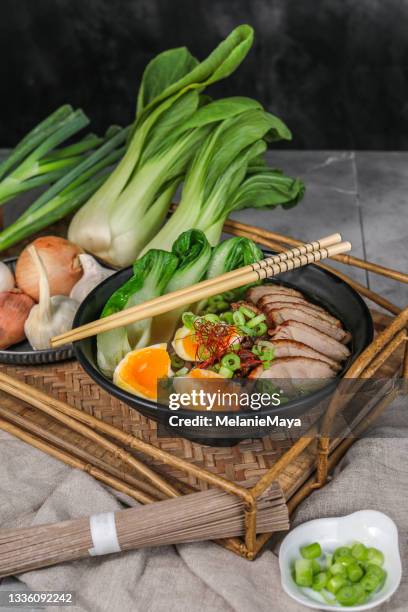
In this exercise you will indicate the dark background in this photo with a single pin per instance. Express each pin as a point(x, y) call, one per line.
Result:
point(335, 70)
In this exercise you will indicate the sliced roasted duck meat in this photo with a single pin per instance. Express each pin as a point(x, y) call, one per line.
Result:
point(276, 316)
point(319, 341)
point(301, 307)
point(294, 367)
point(284, 298)
point(292, 348)
point(254, 294)
point(296, 373)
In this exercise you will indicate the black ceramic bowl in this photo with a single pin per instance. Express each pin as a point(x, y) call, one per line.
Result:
point(317, 284)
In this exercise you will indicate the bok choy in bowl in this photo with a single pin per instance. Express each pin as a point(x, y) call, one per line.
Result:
point(308, 325)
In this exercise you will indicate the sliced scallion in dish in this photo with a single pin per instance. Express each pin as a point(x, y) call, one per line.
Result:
point(347, 577)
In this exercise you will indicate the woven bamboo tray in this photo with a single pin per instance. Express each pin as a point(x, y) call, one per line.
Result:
point(244, 464)
point(244, 470)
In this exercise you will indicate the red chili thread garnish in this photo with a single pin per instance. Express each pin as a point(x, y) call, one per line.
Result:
point(248, 360)
point(213, 341)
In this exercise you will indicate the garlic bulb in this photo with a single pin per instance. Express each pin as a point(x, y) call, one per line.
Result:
point(6, 278)
point(52, 315)
point(93, 275)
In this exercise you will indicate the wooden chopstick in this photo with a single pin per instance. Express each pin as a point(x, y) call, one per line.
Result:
point(301, 249)
point(41, 430)
point(259, 271)
point(38, 399)
point(230, 226)
point(74, 462)
point(34, 397)
point(238, 229)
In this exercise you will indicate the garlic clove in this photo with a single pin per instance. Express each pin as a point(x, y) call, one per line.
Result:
point(93, 275)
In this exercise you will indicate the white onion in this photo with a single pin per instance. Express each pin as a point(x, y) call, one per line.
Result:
point(61, 261)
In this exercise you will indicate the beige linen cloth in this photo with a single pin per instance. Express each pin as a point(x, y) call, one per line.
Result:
point(203, 577)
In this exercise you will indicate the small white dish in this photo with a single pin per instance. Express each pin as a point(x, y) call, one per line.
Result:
point(370, 527)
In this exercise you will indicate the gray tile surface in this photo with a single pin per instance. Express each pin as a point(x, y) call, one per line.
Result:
point(383, 197)
point(330, 203)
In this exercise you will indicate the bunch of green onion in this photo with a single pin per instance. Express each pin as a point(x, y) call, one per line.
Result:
point(36, 161)
point(78, 171)
point(349, 576)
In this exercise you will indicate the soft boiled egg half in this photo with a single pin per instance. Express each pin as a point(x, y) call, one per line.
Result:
point(140, 370)
point(186, 347)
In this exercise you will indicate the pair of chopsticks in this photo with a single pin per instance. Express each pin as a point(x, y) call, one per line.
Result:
point(86, 425)
point(291, 259)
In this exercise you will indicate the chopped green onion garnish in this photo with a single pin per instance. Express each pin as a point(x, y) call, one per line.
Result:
point(350, 581)
point(303, 573)
point(231, 361)
point(225, 372)
point(182, 372)
point(375, 556)
point(354, 572)
point(256, 320)
point(266, 344)
point(176, 361)
point(337, 569)
point(212, 318)
point(261, 329)
point(238, 318)
point(359, 552)
point(370, 583)
point(215, 299)
point(246, 330)
point(335, 583)
point(188, 319)
point(227, 317)
point(342, 551)
point(319, 581)
point(347, 595)
point(247, 312)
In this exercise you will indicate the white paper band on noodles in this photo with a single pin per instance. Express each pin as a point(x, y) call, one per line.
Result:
point(104, 534)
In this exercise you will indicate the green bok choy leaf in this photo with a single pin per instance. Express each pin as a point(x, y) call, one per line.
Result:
point(194, 253)
point(151, 273)
point(171, 123)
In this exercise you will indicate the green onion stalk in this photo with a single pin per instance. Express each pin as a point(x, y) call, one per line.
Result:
point(71, 190)
point(173, 119)
point(36, 161)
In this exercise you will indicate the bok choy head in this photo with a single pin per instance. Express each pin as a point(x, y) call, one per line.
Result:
point(151, 274)
point(227, 174)
point(122, 216)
